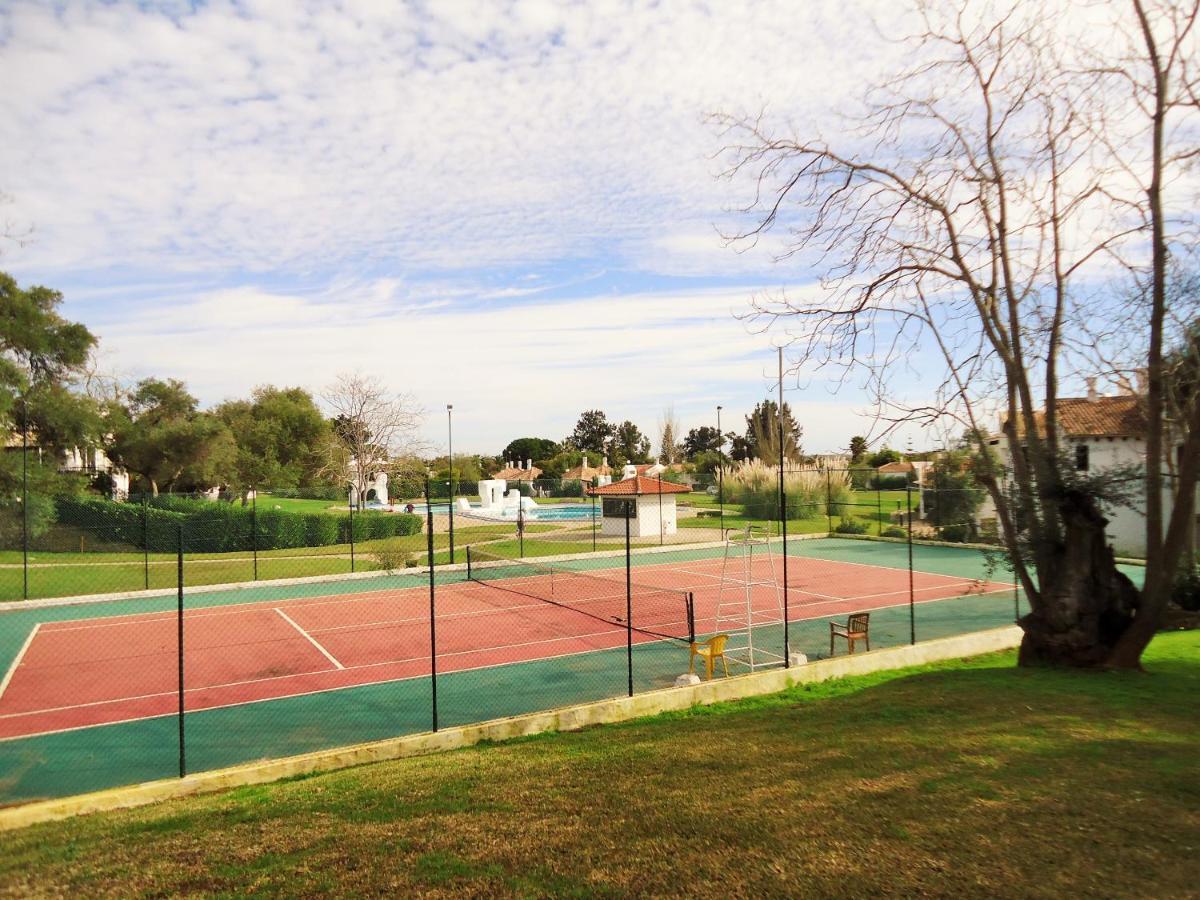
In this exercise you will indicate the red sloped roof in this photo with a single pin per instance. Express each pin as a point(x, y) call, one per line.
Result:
point(636, 487)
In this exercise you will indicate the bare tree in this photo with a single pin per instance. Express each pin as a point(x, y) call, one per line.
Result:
point(983, 211)
point(375, 430)
point(669, 431)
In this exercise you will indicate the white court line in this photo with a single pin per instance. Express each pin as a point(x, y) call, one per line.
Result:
point(312, 640)
point(12, 669)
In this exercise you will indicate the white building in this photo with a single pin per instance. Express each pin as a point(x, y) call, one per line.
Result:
point(1103, 433)
point(649, 502)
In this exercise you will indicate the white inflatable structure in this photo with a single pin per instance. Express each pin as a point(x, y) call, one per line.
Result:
point(376, 494)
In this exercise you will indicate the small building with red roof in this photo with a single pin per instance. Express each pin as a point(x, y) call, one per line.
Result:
point(649, 503)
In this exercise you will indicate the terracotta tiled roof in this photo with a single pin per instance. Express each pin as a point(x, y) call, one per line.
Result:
point(1121, 416)
point(585, 473)
point(638, 486)
point(896, 467)
point(511, 474)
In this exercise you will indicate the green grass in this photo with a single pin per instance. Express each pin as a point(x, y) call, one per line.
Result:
point(969, 778)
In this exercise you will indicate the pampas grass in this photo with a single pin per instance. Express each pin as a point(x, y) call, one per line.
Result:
point(810, 492)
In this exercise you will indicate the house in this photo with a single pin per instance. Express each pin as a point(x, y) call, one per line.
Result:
point(587, 473)
point(515, 471)
point(649, 503)
point(1102, 433)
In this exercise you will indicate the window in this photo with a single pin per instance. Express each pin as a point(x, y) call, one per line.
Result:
point(1081, 457)
point(619, 509)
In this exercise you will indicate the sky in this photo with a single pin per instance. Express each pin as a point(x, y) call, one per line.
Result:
point(507, 206)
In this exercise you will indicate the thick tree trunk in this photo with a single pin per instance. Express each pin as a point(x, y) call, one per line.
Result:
point(1087, 604)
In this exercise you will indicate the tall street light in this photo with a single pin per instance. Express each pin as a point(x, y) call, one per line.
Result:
point(721, 470)
point(450, 444)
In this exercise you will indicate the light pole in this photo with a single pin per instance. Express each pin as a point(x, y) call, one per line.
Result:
point(721, 470)
point(450, 447)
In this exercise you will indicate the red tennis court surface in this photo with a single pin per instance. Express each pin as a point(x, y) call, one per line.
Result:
point(73, 674)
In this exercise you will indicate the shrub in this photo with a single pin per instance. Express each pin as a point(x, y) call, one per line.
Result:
point(893, 531)
point(1186, 592)
point(850, 526)
point(808, 492)
point(956, 534)
point(390, 555)
point(321, 530)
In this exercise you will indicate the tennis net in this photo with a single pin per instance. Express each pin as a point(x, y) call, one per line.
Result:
point(659, 612)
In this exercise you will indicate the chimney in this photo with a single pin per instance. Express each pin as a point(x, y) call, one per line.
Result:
point(1091, 394)
point(1143, 381)
point(529, 464)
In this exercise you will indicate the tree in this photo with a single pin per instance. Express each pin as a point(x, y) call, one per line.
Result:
point(669, 450)
point(704, 439)
point(531, 448)
point(628, 445)
point(162, 436)
point(762, 433)
point(858, 449)
point(282, 437)
point(592, 432)
point(952, 496)
point(882, 457)
point(376, 430)
point(1025, 157)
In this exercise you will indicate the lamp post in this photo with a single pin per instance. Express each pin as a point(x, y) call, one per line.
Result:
point(450, 446)
point(721, 470)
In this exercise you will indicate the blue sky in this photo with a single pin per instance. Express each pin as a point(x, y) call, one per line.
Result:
point(506, 206)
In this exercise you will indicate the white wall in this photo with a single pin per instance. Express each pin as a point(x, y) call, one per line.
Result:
point(646, 525)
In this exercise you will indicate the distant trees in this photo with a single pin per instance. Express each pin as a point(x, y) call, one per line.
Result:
point(669, 448)
point(592, 432)
point(701, 440)
point(532, 448)
point(858, 449)
point(762, 433)
point(628, 445)
point(375, 429)
point(282, 438)
point(883, 456)
point(161, 436)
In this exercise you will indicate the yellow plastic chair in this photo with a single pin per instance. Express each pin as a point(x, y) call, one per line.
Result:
point(710, 651)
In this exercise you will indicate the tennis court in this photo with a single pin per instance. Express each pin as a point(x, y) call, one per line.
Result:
point(91, 693)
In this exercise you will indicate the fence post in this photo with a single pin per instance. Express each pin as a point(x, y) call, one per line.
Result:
point(432, 609)
point(879, 506)
point(628, 598)
point(146, 541)
point(593, 523)
point(254, 527)
point(25, 498)
point(520, 525)
point(660, 518)
point(352, 529)
point(829, 501)
point(179, 644)
point(912, 599)
point(787, 656)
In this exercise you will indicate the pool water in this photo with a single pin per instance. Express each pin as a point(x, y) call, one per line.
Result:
point(558, 512)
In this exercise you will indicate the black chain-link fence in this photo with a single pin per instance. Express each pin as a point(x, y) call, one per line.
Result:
point(179, 634)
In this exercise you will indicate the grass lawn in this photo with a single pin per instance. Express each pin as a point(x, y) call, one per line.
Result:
point(970, 778)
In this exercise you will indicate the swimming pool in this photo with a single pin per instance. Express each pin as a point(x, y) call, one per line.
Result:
point(558, 512)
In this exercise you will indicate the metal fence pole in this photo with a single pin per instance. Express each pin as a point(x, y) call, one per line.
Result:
point(912, 598)
point(829, 500)
point(352, 529)
point(593, 523)
point(25, 498)
point(879, 506)
point(520, 524)
point(432, 610)
point(254, 527)
point(179, 646)
point(628, 598)
point(660, 517)
point(146, 541)
point(787, 657)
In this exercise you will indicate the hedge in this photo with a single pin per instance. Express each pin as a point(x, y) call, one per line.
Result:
point(218, 527)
